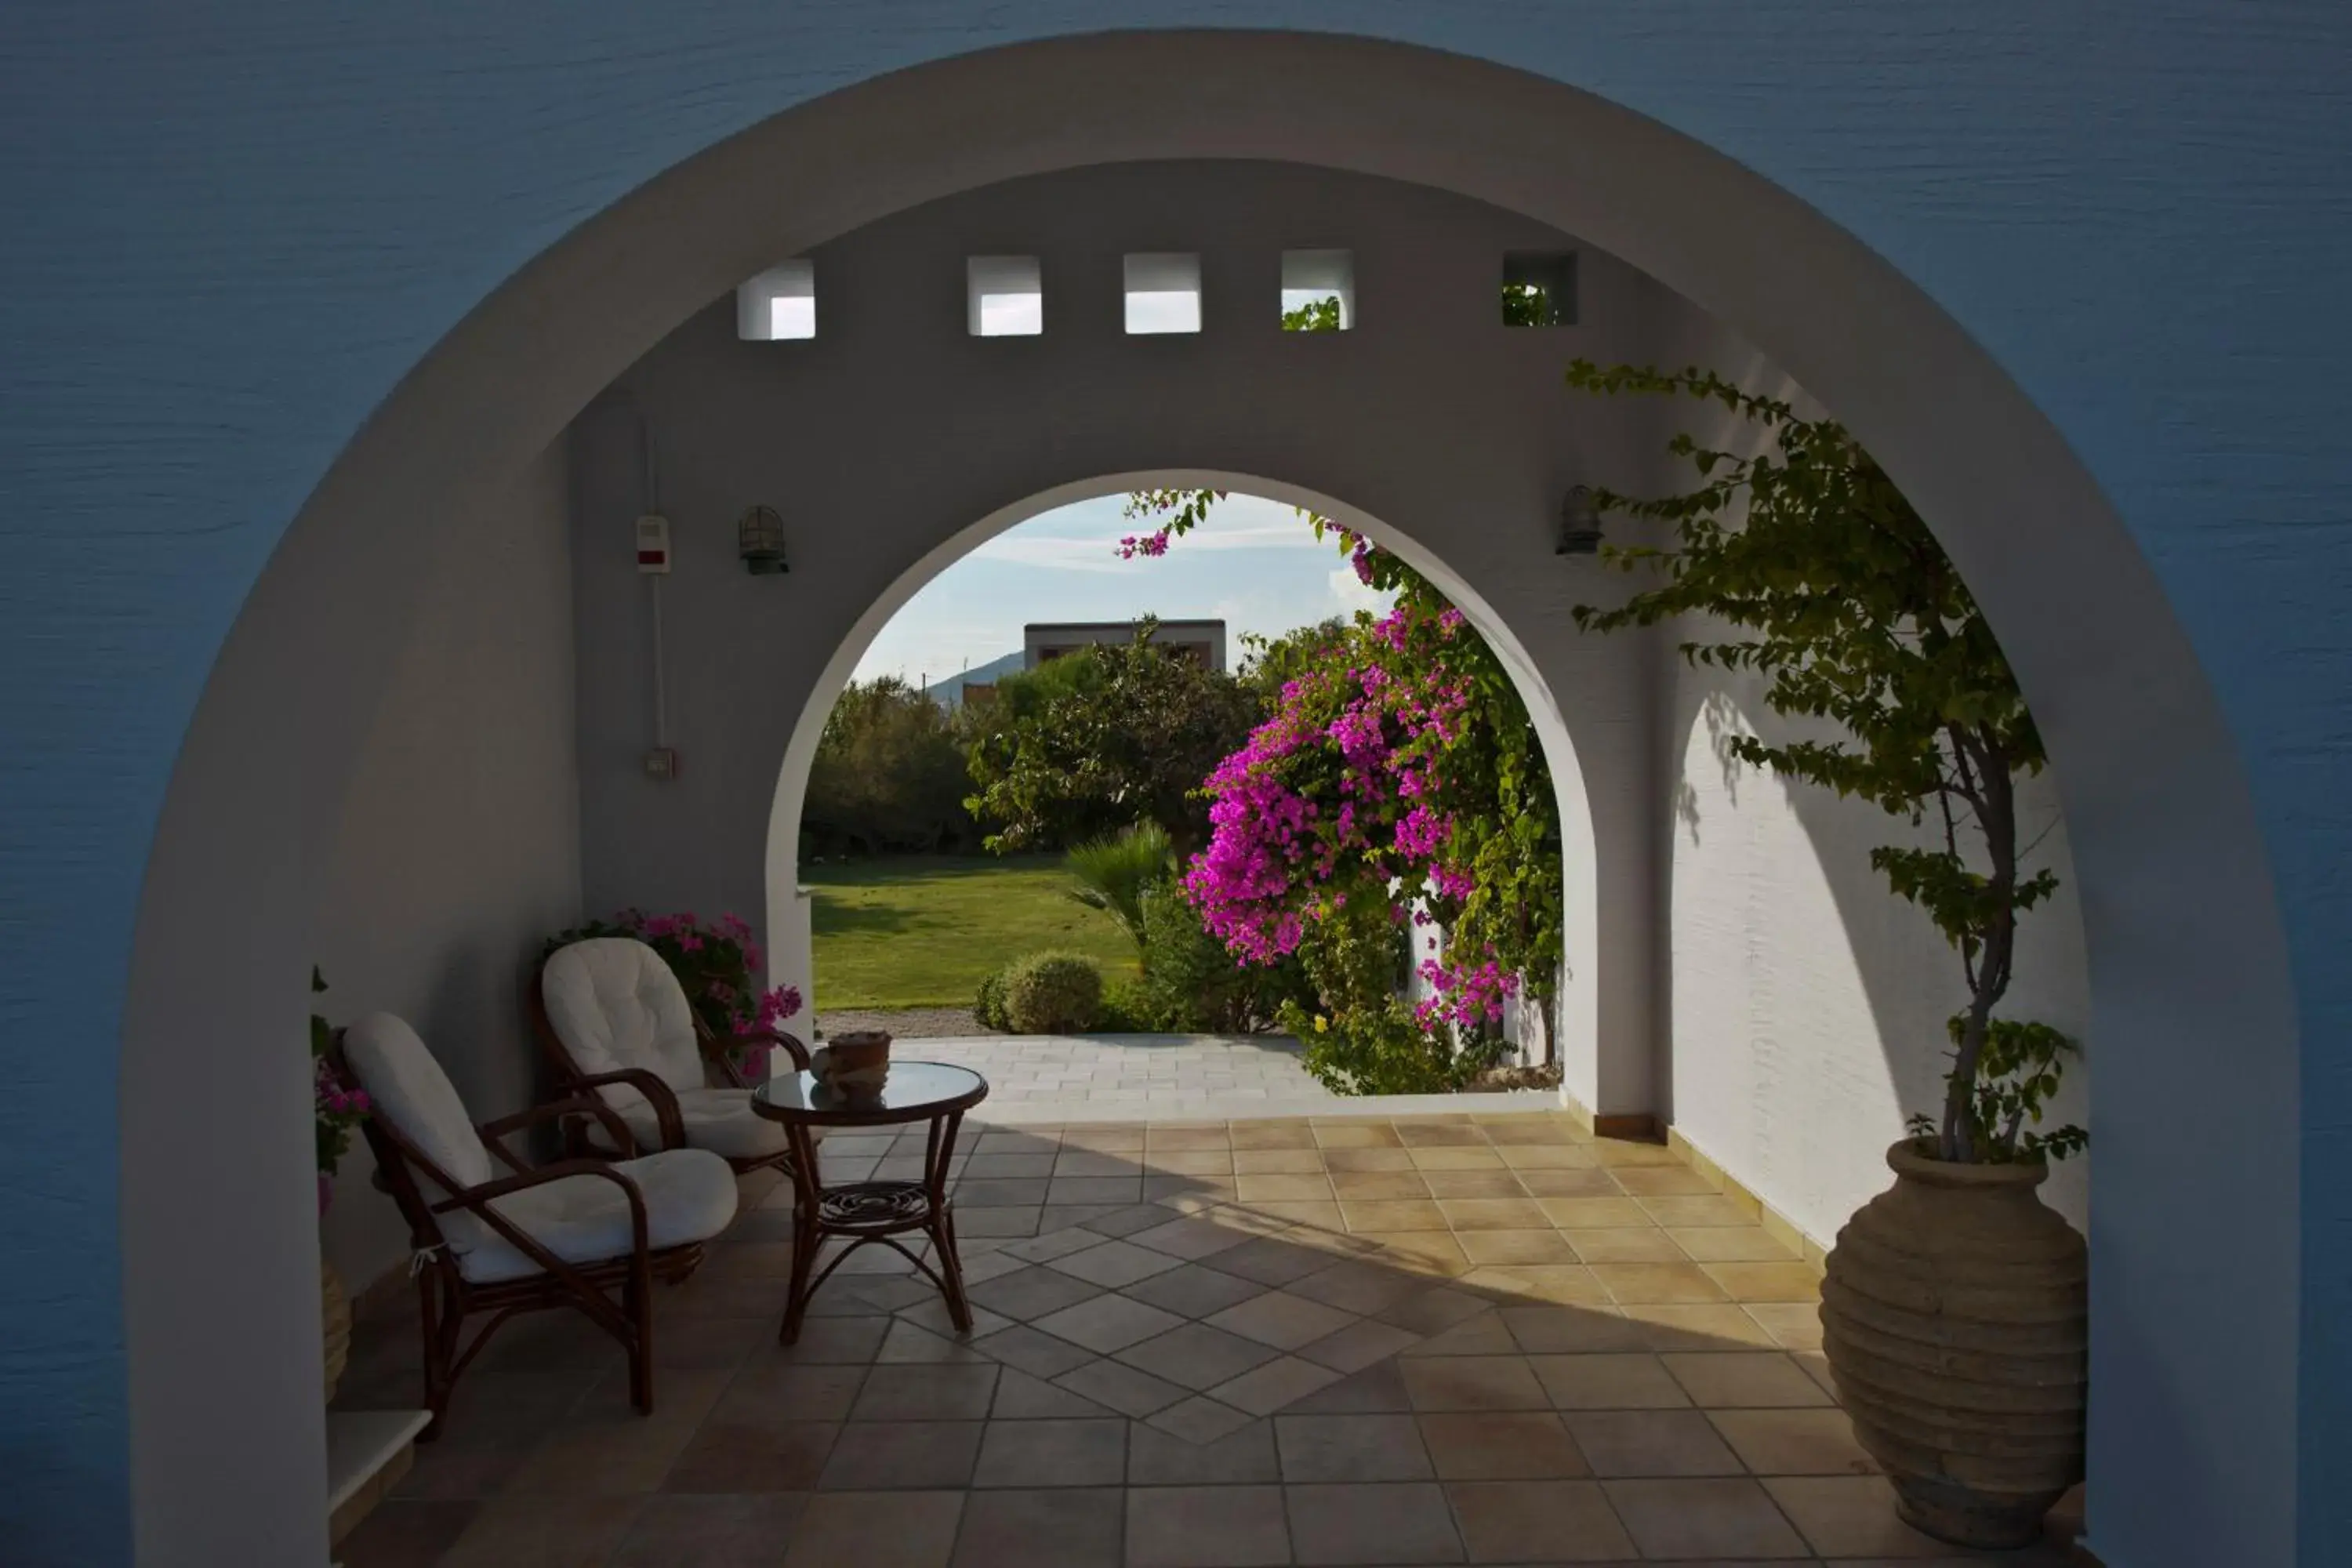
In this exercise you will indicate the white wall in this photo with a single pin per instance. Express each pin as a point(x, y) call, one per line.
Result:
point(459, 851)
point(893, 441)
point(1755, 984)
point(1806, 1005)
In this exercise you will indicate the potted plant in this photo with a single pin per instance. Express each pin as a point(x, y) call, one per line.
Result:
point(1955, 1310)
point(336, 1110)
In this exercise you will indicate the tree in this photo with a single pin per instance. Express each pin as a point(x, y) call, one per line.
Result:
point(1274, 662)
point(888, 775)
point(1098, 740)
point(1853, 613)
point(1398, 762)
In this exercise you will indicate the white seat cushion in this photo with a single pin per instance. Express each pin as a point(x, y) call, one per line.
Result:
point(718, 1120)
point(616, 1004)
point(407, 1088)
point(689, 1196)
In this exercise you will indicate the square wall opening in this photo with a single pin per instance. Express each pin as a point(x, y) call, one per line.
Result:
point(1004, 296)
point(1163, 292)
point(778, 304)
point(1540, 289)
point(1318, 291)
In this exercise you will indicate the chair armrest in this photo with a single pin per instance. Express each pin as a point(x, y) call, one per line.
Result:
point(495, 1133)
point(477, 1199)
point(792, 1048)
point(662, 1097)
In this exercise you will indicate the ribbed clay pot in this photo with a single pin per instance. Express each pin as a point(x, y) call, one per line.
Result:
point(1955, 1317)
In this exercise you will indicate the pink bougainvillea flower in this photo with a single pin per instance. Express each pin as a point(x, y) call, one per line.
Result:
point(778, 1005)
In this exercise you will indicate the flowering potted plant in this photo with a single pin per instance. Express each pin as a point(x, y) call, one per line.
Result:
point(336, 1111)
point(1955, 1313)
point(714, 962)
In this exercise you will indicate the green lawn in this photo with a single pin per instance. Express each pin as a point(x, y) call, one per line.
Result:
point(920, 931)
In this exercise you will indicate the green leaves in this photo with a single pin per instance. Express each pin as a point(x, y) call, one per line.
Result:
point(1114, 874)
point(888, 775)
point(1839, 597)
point(1093, 742)
point(1314, 316)
point(2017, 1072)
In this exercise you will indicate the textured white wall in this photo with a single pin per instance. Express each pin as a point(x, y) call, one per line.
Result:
point(1805, 1004)
point(894, 441)
point(458, 853)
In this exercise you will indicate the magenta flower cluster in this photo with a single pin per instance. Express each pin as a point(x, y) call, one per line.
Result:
point(337, 1107)
point(779, 1005)
point(715, 961)
point(1345, 787)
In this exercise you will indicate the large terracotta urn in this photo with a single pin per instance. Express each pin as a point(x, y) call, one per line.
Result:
point(1955, 1317)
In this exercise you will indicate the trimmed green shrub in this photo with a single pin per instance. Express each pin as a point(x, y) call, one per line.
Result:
point(988, 1007)
point(1052, 992)
point(1379, 1049)
point(1127, 1008)
point(1195, 986)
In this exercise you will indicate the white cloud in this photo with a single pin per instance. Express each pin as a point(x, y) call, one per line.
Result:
point(1051, 554)
point(1351, 593)
point(1253, 564)
point(1098, 553)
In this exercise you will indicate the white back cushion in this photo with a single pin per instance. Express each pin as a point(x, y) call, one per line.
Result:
point(407, 1088)
point(615, 1004)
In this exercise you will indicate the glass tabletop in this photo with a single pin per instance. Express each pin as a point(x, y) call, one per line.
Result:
point(909, 1090)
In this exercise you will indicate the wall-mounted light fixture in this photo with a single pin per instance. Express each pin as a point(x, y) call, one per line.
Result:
point(760, 540)
point(1579, 523)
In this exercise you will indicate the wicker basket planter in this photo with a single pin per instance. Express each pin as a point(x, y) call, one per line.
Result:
point(1955, 1317)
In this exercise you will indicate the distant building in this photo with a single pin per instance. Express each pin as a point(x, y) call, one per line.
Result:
point(1203, 640)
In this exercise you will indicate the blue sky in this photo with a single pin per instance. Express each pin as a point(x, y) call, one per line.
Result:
point(1255, 565)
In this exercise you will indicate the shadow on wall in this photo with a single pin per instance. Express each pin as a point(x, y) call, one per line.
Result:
point(1807, 1011)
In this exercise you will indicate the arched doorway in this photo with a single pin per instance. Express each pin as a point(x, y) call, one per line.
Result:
point(1588, 949)
point(2197, 1375)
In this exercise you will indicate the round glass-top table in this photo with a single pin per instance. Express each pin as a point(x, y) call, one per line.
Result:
point(867, 1214)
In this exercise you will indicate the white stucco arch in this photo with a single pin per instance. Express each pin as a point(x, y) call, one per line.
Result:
point(1579, 1000)
point(2198, 1373)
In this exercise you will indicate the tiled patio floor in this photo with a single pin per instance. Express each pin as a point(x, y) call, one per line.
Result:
point(1412, 1340)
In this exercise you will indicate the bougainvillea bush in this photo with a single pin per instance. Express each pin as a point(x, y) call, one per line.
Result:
point(1393, 812)
point(715, 963)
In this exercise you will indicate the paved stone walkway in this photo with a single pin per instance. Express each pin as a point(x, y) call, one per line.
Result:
point(1174, 1072)
point(1131, 1077)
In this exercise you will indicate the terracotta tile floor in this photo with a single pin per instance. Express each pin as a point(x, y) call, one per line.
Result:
point(1411, 1341)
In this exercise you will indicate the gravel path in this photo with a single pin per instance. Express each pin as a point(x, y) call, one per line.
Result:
point(906, 1024)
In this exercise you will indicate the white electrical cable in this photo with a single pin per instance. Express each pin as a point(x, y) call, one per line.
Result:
point(661, 696)
point(653, 504)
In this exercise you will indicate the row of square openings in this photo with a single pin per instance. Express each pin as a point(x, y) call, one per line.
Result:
point(1004, 296)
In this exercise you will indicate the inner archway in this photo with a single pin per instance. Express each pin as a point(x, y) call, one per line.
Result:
point(2197, 1377)
point(1578, 1008)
